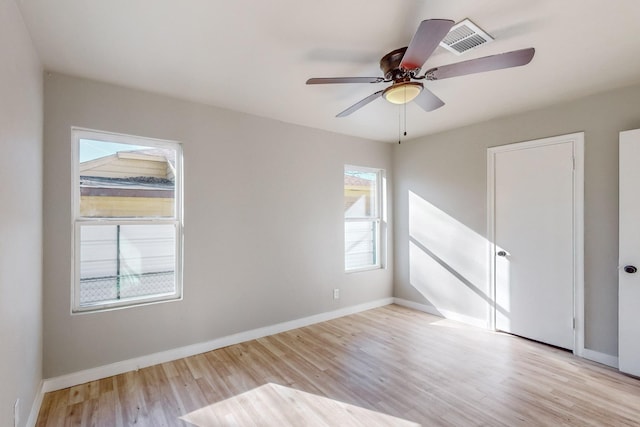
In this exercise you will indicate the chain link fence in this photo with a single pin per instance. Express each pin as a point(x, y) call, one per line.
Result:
point(113, 288)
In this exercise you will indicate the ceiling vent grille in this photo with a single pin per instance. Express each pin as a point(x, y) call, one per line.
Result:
point(465, 36)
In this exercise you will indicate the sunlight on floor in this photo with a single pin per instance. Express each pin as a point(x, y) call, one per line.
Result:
point(446, 323)
point(276, 405)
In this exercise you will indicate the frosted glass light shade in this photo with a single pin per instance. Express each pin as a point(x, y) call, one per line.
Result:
point(401, 93)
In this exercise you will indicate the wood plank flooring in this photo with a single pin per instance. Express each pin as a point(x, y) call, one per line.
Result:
point(391, 366)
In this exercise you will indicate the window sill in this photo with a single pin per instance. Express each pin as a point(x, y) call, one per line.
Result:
point(358, 270)
point(101, 308)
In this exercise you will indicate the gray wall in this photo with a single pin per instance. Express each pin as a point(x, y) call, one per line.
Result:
point(447, 173)
point(20, 216)
point(263, 224)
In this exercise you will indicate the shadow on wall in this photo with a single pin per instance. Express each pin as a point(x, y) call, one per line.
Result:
point(449, 264)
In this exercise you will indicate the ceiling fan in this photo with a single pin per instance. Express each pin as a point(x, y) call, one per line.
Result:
point(401, 68)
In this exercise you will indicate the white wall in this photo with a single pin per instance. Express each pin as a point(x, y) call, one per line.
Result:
point(20, 216)
point(263, 224)
point(443, 178)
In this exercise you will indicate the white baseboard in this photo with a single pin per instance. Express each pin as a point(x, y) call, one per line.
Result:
point(428, 308)
point(81, 377)
point(605, 359)
point(35, 407)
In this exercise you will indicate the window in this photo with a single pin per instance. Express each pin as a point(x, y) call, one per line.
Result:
point(127, 214)
point(362, 201)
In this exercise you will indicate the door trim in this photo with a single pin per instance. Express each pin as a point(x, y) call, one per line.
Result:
point(577, 141)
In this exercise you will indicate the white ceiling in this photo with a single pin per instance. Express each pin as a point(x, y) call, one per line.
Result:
point(254, 56)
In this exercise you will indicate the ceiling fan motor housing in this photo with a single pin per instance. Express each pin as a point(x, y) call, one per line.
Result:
point(390, 65)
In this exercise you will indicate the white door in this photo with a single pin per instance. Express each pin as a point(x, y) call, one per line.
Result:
point(629, 253)
point(534, 226)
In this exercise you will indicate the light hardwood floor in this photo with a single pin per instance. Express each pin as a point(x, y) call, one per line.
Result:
point(390, 366)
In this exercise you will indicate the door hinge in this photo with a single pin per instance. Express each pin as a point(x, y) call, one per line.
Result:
point(573, 162)
point(574, 323)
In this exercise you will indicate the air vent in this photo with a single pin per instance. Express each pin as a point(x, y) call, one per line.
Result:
point(465, 36)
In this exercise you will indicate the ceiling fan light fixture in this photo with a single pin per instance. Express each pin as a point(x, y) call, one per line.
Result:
point(401, 93)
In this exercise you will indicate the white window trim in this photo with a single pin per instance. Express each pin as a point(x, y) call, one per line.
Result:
point(77, 134)
point(380, 207)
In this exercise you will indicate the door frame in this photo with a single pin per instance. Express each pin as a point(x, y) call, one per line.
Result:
point(577, 141)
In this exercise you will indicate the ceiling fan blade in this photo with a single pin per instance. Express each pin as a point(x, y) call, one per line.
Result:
point(428, 101)
point(514, 58)
point(332, 80)
point(360, 103)
point(426, 39)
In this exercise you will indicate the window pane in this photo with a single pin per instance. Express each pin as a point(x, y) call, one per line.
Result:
point(126, 181)
point(126, 261)
point(360, 244)
point(360, 194)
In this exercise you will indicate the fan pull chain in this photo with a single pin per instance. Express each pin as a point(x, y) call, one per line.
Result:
point(399, 121)
point(400, 117)
point(405, 117)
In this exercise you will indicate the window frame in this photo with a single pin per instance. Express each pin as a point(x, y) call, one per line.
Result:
point(78, 221)
point(376, 219)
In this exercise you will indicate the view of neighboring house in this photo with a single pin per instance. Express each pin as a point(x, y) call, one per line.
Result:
point(135, 183)
point(361, 226)
point(358, 194)
point(129, 260)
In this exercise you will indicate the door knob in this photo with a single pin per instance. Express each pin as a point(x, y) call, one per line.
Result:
point(630, 269)
point(503, 253)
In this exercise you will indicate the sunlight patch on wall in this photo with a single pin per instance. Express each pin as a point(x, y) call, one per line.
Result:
point(448, 261)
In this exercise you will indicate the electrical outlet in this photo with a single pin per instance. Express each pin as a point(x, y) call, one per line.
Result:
point(16, 413)
point(336, 293)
